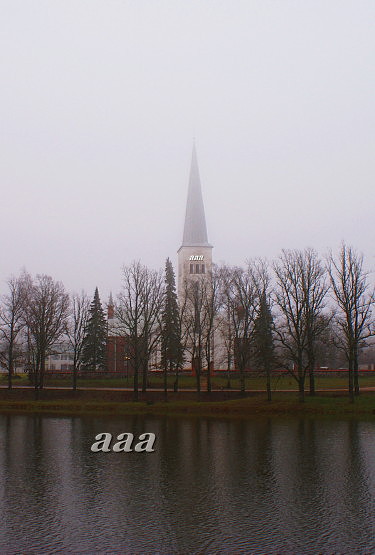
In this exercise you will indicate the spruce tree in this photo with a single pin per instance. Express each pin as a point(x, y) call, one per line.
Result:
point(263, 338)
point(94, 343)
point(171, 347)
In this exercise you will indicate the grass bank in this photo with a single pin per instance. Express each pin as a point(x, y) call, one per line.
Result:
point(284, 404)
point(255, 382)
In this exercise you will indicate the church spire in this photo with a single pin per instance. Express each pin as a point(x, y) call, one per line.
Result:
point(110, 307)
point(195, 230)
point(195, 253)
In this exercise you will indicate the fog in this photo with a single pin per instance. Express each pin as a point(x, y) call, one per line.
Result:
point(100, 102)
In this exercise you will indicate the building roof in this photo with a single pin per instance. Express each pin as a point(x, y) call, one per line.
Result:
point(195, 230)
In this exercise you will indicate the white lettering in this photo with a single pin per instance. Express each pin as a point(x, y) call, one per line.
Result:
point(103, 443)
point(196, 257)
point(123, 445)
point(149, 443)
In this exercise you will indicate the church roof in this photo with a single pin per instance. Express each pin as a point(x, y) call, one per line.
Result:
point(195, 230)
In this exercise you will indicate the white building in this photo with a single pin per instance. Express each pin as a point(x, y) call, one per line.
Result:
point(61, 358)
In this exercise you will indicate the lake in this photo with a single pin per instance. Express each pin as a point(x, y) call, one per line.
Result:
point(210, 486)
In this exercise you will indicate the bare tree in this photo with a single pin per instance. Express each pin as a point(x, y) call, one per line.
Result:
point(195, 323)
point(243, 309)
point(355, 302)
point(224, 319)
point(46, 318)
point(315, 288)
point(76, 326)
point(300, 295)
point(139, 315)
point(153, 303)
point(211, 307)
point(12, 320)
point(183, 335)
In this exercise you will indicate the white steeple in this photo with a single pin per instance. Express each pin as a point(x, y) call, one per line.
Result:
point(195, 230)
point(195, 253)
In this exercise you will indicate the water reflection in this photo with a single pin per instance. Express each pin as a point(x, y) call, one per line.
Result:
point(269, 486)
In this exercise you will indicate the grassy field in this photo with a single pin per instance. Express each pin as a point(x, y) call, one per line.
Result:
point(279, 383)
point(283, 405)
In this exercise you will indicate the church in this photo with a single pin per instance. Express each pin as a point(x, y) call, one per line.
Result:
point(194, 263)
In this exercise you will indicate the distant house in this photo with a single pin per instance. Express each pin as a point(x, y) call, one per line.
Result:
point(61, 358)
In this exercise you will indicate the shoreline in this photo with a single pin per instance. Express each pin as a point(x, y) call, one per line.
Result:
point(251, 406)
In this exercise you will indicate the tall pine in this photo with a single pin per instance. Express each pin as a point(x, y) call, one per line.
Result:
point(94, 343)
point(171, 347)
point(263, 339)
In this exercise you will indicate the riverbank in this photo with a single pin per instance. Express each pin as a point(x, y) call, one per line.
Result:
point(253, 405)
point(252, 383)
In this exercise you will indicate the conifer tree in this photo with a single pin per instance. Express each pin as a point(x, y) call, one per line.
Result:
point(263, 338)
point(171, 347)
point(94, 343)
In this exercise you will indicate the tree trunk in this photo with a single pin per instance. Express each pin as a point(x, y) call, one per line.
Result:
point(198, 376)
point(301, 389)
point(74, 377)
point(10, 369)
point(242, 381)
point(197, 369)
point(228, 366)
point(351, 381)
point(135, 382)
point(165, 381)
point(355, 372)
point(312, 381)
point(144, 378)
point(209, 384)
point(42, 368)
point(36, 379)
point(136, 370)
point(269, 392)
point(301, 379)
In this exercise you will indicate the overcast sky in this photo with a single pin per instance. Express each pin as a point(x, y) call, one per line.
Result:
point(99, 104)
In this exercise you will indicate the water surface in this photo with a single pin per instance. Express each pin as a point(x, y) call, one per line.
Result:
point(267, 486)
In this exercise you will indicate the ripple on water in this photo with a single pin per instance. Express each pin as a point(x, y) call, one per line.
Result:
point(210, 487)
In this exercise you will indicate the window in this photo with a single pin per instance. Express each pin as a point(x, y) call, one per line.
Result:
point(67, 367)
point(197, 267)
point(192, 268)
point(203, 269)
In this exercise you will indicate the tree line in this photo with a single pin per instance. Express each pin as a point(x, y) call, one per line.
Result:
point(291, 314)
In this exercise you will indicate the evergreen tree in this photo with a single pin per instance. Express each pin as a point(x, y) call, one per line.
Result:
point(171, 347)
point(94, 343)
point(263, 339)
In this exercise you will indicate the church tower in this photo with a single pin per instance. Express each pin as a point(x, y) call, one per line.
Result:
point(195, 253)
